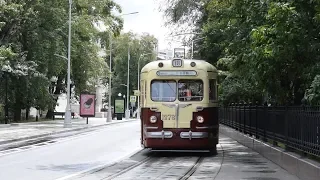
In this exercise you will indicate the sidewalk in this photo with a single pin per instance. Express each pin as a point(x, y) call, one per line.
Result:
point(24, 131)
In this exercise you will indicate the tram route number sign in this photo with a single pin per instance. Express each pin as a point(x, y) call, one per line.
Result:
point(177, 63)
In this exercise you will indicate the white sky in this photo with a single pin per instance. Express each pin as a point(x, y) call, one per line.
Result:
point(148, 20)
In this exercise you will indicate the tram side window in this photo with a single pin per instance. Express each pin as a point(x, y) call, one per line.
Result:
point(213, 89)
point(190, 90)
point(163, 90)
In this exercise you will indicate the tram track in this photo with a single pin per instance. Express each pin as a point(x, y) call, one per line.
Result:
point(176, 162)
point(128, 169)
point(192, 170)
point(185, 166)
point(222, 161)
point(160, 166)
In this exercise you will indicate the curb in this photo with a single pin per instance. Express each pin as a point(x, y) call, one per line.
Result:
point(303, 168)
point(4, 125)
point(63, 131)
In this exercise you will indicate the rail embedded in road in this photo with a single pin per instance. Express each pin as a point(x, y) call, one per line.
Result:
point(233, 161)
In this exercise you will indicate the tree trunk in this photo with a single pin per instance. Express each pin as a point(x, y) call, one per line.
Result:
point(17, 106)
point(49, 114)
point(17, 114)
point(27, 113)
point(59, 88)
point(298, 93)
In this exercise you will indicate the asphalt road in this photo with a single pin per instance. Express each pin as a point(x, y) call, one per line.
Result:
point(72, 155)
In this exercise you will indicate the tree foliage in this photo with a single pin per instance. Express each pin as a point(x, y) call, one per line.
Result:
point(271, 48)
point(34, 32)
point(141, 50)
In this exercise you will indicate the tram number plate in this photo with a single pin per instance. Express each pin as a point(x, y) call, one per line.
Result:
point(166, 117)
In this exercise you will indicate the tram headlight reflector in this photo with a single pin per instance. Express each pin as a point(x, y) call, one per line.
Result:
point(153, 119)
point(200, 119)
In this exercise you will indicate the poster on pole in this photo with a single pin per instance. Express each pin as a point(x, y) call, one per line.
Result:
point(179, 53)
point(87, 105)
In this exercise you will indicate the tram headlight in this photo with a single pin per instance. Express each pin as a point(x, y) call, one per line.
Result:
point(153, 119)
point(200, 119)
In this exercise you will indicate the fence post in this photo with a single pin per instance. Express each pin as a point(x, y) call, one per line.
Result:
point(302, 128)
point(286, 128)
point(274, 110)
point(317, 133)
point(244, 118)
point(265, 119)
point(250, 124)
point(256, 128)
point(237, 117)
point(240, 117)
point(233, 116)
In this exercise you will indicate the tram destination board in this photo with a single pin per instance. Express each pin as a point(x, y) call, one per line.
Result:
point(176, 73)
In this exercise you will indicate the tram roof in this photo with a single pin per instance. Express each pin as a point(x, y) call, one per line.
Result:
point(167, 64)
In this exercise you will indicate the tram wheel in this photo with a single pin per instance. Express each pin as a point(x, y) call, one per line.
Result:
point(213, 151)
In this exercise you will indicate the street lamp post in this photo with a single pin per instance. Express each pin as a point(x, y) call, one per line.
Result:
point(109, 118)
point(67, 118)
point(128, 78)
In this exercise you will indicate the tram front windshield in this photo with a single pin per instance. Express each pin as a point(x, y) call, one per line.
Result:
point(170, 90)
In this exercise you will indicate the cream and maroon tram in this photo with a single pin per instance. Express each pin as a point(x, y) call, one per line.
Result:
point(179, 105)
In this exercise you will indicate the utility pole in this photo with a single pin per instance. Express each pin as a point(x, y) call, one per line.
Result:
point(109, 118)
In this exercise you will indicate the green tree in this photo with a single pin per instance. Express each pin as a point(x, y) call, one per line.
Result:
point(32, 32)
point(271, 47)
point(141, 50)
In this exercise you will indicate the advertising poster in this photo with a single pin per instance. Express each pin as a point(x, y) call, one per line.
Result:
point(119, 106)
point(179, 53)
point(87, 105)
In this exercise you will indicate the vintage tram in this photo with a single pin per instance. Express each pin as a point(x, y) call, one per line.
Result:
point(179, 105)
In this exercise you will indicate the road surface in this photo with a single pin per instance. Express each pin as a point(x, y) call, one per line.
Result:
point(233, 162)
point(72, 155)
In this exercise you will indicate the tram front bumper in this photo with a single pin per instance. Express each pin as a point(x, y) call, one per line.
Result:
point(167, 134)
point(180, 139)
point(159, 134)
